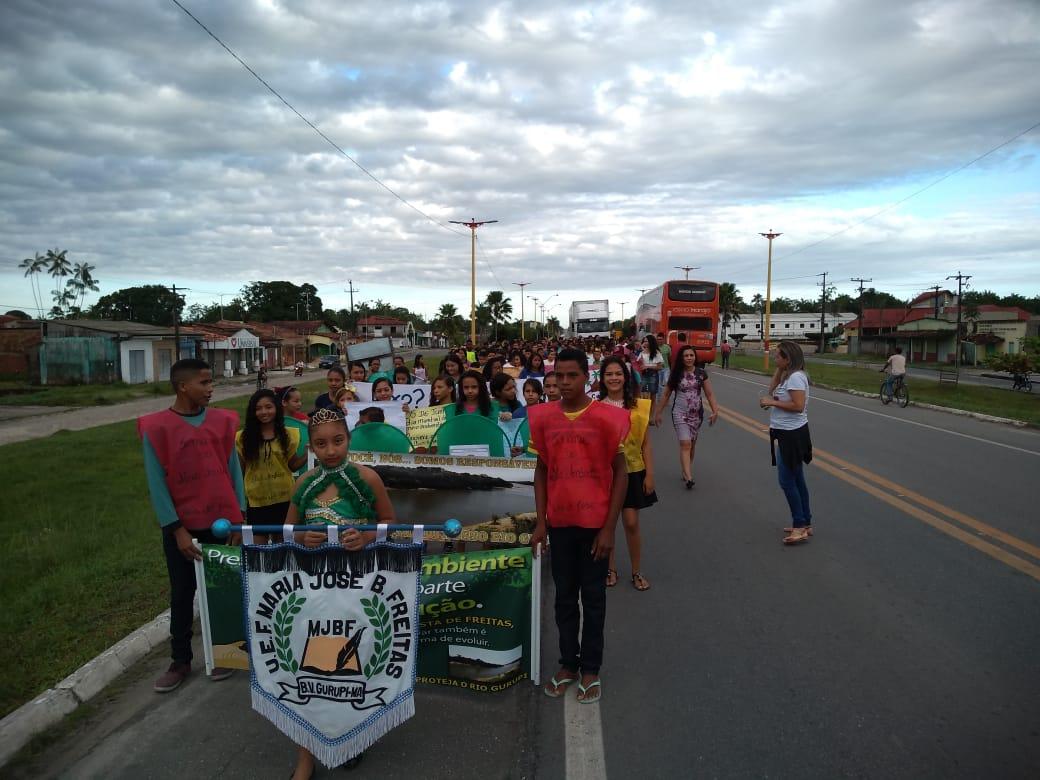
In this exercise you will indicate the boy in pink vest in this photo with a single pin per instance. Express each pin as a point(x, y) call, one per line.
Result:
point(194, 479)
point(579, 487)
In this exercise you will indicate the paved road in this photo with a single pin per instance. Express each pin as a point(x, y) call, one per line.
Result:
point(900, 642)
point(16, 427)
point(969, 376)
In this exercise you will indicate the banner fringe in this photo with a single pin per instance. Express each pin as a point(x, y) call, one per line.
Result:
point(402, 559)
point(333, 755)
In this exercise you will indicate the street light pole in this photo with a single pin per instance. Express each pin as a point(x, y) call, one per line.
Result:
point(533, 298)
point(687, 269)
point(769, 292)
point(473, 225)
point(521, 285)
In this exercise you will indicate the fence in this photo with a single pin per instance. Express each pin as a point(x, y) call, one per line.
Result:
point(67, 360)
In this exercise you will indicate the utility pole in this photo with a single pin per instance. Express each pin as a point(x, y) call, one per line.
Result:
point(935, 289)
point(859, 338)
point(473, 225)
point(623, 319)
point(687, 269)
point(307, 305)
point(769, 295)
point(533, 298)
point(177, 320)
point(961, 279)
point(521, 285)
point(823, 311)
point(352, 289)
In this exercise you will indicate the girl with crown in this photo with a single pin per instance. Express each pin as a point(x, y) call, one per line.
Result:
point(335, 492)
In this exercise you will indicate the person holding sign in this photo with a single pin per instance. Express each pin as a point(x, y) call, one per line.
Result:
point(335, 492)
point(505, 406)
point(335, 379)
point(442, 391)
point(579, 486)
point(194, 479)
point(473, 395)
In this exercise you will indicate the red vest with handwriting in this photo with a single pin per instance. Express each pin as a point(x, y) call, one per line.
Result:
point(195, 460)
point(579, 455)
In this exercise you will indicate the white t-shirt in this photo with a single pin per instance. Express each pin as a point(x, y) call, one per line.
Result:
point(897, 365)
point(652, 362)
point(781, 418)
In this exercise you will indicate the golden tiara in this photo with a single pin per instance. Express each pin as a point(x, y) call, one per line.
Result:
point(325, 415)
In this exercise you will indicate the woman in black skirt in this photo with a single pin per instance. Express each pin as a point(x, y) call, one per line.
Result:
point(616, 388)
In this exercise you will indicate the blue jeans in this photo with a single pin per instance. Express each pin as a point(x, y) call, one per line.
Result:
point(792, 482)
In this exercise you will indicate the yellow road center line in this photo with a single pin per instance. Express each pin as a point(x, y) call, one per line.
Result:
point(1026, 567)
point(904, 492)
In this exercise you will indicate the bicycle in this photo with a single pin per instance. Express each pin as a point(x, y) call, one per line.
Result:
point(897, 391)
point(1022, 382)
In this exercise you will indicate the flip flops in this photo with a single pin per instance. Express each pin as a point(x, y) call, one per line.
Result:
point(559, 687)
point(583, 692)
point(612, 578)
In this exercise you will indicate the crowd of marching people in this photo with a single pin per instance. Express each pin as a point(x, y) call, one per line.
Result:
point(588, 403)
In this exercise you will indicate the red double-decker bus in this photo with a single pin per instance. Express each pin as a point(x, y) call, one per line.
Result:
point(682, 306)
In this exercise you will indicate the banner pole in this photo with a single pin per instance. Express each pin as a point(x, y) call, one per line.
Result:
point(536, 616)
point(207, 635)
point(222, 528)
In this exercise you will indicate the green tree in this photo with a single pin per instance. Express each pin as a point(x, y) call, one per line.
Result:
point(58, 266)
point(499, 308)
point(83, 281)
point(730, 304)
point(267, 301)
point(153, 304)
point(33, 267)
point(449, 322)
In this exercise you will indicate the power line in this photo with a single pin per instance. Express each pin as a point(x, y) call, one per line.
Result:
point(310, 124)
point(912, 194)
point(483, 257)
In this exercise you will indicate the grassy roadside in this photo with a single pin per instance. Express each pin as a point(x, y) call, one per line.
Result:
point(21, 394)
point(973, 398)
point(83, 565)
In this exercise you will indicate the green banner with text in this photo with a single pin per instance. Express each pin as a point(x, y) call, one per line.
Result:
point(474, 616)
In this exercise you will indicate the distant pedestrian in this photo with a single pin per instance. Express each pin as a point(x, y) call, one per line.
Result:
point(691, 386)
point(787, 401)
point(194, 479)
point(726, 349)
point(579, 486)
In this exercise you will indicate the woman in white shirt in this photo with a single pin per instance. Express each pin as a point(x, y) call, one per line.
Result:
point(786, 400)
point(653, 362)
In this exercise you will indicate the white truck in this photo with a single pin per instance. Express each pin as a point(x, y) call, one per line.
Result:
point(590, 319)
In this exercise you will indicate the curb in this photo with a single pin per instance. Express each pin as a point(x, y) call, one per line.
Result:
point(934, 407)
point(54, 704)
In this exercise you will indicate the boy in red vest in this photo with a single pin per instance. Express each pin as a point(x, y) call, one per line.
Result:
point(194, 478)
point(579, 487)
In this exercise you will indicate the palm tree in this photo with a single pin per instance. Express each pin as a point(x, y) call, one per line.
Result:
point(499, 308)
point(552, 325)
point(83, 280)
point(448, 321)
point(33, 267)
point(729, 305)
point(760, 306)
point(58, 266)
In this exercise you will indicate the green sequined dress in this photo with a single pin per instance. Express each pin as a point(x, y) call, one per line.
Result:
point(354, 504)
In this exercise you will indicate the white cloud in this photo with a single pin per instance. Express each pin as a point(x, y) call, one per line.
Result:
point(613, 141)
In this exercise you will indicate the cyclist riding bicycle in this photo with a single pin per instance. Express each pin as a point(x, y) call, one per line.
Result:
point(895, 367)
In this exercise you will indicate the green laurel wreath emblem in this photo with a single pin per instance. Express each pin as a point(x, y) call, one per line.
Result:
point(379, 618)
point(283, 623)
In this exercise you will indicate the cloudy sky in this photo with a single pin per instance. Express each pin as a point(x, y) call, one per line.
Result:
point(612, 141)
